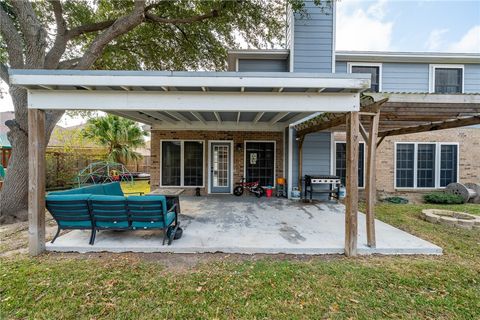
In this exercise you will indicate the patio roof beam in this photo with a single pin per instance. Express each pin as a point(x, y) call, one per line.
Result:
point(157, 115)
point(449, 124)
point(178, 116)
point(134, 116)
point(217, 116)
point(199, 117)
point(258, 116)
point(192, 101)
point(278, 117)
point(331, 120)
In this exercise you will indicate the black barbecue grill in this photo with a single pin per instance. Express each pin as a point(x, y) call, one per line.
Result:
point(333, 181)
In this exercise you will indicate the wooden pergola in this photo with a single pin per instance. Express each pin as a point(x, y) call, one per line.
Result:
point(382, 115)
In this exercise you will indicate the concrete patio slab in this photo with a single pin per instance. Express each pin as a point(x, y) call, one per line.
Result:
point(248, 225)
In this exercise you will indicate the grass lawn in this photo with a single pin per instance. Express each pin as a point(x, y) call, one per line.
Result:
point(131, 286)
point(136, 186)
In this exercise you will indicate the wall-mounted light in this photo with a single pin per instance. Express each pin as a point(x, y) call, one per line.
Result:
point(239, 147)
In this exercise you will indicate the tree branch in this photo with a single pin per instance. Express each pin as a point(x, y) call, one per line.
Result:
point(4, 73)
point(56, 52)
point(68, 64)
point(33, 32)
point(12, 38)
point(93, 27)
point(118, 28)
point(155, 18)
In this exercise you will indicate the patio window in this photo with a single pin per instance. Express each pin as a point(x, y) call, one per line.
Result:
point(446, 78)
point(374, 69)
point(448, 164)
point(425, 165)
point(260, 162)
point(341, 163)
point(182, 163)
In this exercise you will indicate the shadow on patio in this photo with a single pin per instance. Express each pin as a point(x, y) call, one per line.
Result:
point(225, 223)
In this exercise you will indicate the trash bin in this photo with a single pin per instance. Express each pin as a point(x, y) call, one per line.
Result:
point(269, 192)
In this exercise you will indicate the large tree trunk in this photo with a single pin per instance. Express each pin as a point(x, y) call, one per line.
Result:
point(14, 194)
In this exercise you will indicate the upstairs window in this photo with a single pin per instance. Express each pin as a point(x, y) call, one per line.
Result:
point(374, 69)
point(446, 79)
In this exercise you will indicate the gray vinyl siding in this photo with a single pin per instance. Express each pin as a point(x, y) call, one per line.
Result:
point(414, 77)
point(313, 39)
point(262, 65)
point(316, 156)
point(340, 67)
point(472, 78)
point(405, 77)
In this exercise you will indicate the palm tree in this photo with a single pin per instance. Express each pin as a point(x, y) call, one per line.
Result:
point(121, 136)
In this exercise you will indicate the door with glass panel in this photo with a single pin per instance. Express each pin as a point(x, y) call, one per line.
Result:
point(220, 175)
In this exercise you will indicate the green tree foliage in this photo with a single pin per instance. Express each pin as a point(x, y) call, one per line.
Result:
point(120, 136)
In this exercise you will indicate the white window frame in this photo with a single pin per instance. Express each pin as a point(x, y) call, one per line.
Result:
point(440, 144)
point(182, 162)
point(364, 160)
point(415, 164)
point(274, 159)
point(209, 164)
point(368, 64)
point(431, 74)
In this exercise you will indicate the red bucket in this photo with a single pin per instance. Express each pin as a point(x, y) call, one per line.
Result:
point(269, 192)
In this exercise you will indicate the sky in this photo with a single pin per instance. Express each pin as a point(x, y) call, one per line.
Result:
point(392, 25)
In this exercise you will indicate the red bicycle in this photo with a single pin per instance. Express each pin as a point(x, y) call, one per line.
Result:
point(252, 187)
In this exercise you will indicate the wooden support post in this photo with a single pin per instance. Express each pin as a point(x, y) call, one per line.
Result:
point(36, 185)
point(370, 187)
point(300, 162)
point(351, 201)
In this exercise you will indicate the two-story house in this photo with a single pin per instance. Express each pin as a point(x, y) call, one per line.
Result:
point(425, 160)
point(276, 114)
point(208, 130)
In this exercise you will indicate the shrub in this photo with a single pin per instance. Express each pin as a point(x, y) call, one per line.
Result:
point(442, 198)
point(396, 200)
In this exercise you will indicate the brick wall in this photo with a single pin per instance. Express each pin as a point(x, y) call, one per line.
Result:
point(469, 161)
point(238, 137)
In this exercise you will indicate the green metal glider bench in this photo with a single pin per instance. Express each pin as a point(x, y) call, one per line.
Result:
point(103, 207)
point(71, 212)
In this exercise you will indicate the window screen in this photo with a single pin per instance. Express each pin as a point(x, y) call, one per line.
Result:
point(374, 71)
point(260, 162)
point(341, 163)
point(171, 162)
point(426, 165)
point(193, 163)
point(448, 80)
point(448, 164)
point(405, 165)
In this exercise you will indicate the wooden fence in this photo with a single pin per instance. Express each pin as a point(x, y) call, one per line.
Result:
point(63, 167)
